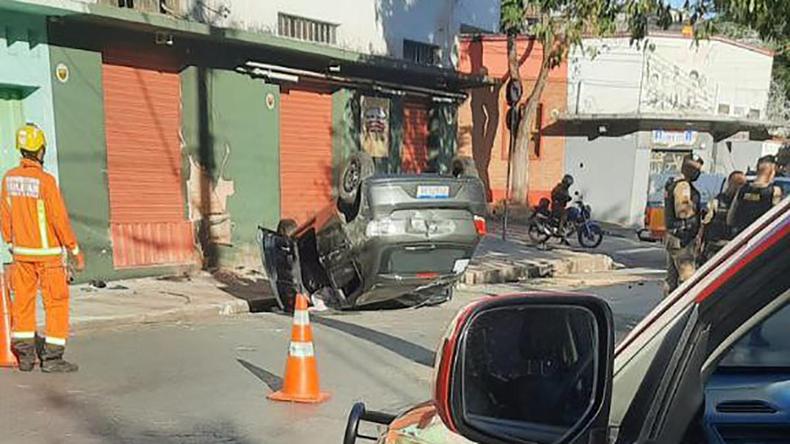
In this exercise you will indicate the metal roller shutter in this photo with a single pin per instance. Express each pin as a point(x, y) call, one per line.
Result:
point(305, 152)
point(142, 121)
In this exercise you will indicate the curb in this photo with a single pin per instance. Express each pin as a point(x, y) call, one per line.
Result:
point(187, 313)
point(514, 271)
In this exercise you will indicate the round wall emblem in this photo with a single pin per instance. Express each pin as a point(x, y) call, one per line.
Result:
point(270, 101)
point(62, 72)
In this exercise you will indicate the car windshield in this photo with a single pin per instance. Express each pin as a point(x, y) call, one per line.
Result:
point(766, 345)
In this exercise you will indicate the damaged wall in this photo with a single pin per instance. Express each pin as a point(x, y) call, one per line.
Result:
point(230, 161)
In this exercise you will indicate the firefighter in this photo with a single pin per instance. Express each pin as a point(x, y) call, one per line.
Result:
point(715, 231)
point(36, 227)
point(682, 219)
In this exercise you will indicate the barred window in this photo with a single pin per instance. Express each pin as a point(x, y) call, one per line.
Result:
point(421, 52)
point(306, 29)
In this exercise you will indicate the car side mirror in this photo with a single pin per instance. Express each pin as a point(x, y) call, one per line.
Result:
point(528, 368)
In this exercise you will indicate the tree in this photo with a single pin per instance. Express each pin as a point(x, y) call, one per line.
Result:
point(559, 25)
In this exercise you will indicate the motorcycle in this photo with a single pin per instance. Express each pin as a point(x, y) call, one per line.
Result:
point(543, 226)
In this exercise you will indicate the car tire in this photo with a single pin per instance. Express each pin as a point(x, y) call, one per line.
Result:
point(463, 166)
point(358, 167)
point(287, 227)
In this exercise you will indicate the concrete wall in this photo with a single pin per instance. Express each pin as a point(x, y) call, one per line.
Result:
point(668, 74)
point(367, 26)
point(603, 170)
point(231, 159)
point(482, 130)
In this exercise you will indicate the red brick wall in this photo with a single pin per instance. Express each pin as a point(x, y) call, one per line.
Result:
point(482, 132)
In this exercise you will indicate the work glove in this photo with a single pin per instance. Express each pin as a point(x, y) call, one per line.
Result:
point(79, 261)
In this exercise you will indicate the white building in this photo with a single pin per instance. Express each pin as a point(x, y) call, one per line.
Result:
point(419, 30)
point(643, 108)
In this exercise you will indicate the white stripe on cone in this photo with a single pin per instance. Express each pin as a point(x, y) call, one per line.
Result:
point(301, 349)
point(301, 317)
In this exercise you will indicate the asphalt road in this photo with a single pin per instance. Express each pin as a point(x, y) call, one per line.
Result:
point(207, 382)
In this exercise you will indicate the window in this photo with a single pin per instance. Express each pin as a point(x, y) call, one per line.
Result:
point(766, 345)
point(724, 109)
point(421, 52)
point(306, 29)
point(753, 114)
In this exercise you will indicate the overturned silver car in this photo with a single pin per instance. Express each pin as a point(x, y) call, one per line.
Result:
point(402, 238)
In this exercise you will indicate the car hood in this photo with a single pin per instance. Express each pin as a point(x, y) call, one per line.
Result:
point(421, 425)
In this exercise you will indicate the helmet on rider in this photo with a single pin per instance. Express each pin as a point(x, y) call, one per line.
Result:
point(567, 180)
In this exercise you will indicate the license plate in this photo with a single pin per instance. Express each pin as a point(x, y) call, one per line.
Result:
point(433, 192)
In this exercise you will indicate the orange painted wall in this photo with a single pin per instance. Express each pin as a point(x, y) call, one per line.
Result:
point(482, 132)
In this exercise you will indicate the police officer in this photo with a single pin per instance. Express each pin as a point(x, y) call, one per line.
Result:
point(752, 201)
point(715, 231)
point(682, 219)
point(756, 198)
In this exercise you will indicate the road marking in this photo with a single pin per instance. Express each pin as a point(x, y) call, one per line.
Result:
point(638, 250)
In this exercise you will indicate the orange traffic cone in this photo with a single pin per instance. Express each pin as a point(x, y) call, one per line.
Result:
point(301, 371)
point(7, 358)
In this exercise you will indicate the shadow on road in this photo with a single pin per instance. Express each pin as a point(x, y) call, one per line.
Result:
point(402, 347)
point(255, 290)
point(274, 382)
point(112, 429)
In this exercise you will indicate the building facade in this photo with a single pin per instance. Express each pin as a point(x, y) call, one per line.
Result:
point(640, 109)
point(176, 128)
point(482, 124)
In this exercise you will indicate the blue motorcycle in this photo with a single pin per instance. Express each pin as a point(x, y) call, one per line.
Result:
point(542, 226)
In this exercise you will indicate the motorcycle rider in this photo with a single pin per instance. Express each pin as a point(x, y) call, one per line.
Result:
point(560, 197)
point(715, 231)
point(682, 218)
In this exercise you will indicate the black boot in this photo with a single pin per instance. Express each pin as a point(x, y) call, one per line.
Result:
point(25, 351)
point(52, 360)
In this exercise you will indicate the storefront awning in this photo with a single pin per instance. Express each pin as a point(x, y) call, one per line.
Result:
point(593, 126)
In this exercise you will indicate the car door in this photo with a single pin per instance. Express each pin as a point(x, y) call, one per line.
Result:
point(751, 281)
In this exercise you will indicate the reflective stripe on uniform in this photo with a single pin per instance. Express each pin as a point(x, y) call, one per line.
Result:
point(24, 251)
point(76, 250)
point(42, 223)
point(301, 317)
point(301, 350)
point(23, 335)
point(55, 341)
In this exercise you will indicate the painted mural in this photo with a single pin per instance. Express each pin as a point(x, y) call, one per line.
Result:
point(668, 87)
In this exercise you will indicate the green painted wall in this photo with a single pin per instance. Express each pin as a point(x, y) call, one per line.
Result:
point(79, 125)
point(239, 144)
point(345, 129)
point(442, 136)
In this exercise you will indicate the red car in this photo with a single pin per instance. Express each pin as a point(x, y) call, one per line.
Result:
point(543, 368)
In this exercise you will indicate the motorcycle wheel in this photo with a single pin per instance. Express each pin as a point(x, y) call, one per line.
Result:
point(590, 236)
point(537, 232)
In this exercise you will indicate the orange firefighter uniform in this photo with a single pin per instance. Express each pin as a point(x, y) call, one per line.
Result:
point(36, 226)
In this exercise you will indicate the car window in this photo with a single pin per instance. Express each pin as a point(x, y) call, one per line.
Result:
point(766, 345)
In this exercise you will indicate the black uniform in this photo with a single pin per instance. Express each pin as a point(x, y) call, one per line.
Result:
point(717, 233)
point(752, 202)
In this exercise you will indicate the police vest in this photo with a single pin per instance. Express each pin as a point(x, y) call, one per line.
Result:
point(753, 202)
point(718, 229)
point(682, 228)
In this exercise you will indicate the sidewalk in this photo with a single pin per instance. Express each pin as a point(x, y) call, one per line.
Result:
point(203, 295)
point(497, 261)
point(165, 299)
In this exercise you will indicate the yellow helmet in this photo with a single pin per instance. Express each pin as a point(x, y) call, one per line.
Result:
point(30, 138)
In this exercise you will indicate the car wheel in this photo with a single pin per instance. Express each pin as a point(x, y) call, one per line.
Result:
point(358, 167)
point(287, 227)
point(464, 166)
